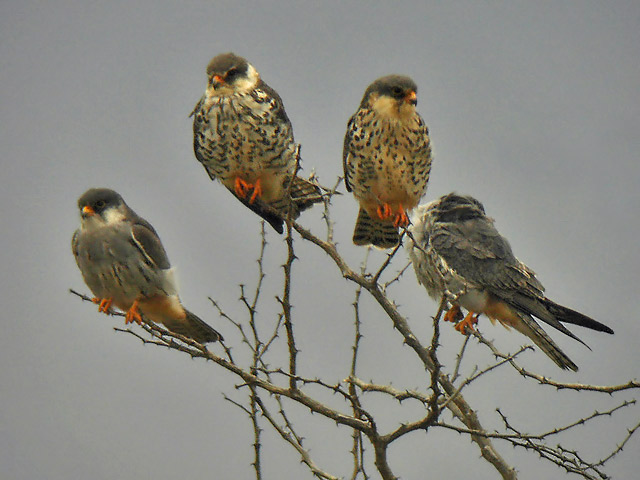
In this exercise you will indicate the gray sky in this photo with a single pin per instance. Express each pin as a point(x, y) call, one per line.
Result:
point(534, 108)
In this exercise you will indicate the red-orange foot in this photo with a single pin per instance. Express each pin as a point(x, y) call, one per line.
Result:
point(469, 321)
point(241, 187)
point(453, 315)
point(401, 219)
point(104, 304)
point(133, 315)
point(257, 191)
point(384, 211)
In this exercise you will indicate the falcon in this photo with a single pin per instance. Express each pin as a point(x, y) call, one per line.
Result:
point(243, 138)
point(386, 159)
point(456, 251)
point(125, 265)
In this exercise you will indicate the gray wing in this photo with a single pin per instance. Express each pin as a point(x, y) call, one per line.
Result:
point(146, 240)
point(477, 252)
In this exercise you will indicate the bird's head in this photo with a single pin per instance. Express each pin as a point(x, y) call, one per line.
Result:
point(455, 208)
point(229, 74)
point(393, 96)
point(100, 207)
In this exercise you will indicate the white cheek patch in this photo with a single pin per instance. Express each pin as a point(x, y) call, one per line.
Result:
point(245, 85)
point(113, 215)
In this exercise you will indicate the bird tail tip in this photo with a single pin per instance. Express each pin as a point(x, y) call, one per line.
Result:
point(369, 231)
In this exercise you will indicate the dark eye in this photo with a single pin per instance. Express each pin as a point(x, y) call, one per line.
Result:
point(100, 204)
point(231, 74)
point(396, 91)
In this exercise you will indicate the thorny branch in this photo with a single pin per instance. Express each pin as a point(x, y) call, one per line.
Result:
point(357, 450)
point(259, 378)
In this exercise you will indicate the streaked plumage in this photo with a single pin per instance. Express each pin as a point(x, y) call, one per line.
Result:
point(125, 265)
point(457, 251)
point(243, 138)
point(386, 159)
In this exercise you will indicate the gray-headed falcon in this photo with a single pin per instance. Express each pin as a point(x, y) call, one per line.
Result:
point(125, 265)
point(456, 251)
point(243, 137)
point(386, 159)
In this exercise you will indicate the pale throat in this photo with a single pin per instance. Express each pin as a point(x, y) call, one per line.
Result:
point(388, 108)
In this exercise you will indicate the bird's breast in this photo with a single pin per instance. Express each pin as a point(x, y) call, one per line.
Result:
point(243, 133)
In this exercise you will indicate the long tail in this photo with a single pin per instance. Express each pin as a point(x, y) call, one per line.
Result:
point(370, 231)
point(567, 315)
point(531, 329)
point(303, 194)
point(193, 327)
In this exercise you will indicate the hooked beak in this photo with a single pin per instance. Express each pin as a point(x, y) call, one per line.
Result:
point(411, 98)
point(217, 81)
point(87, 211)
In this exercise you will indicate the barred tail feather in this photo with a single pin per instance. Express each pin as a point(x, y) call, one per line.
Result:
point(305, 193)
point(302, 195)
point(370, 231)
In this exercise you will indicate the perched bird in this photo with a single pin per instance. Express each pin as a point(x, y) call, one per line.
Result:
point(456, 251)
point(243, 137)
point(125, 265)
point(386, 159)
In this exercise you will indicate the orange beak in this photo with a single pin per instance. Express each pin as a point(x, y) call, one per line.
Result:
point(87, 211)
point(217, 81)
point(411, 98)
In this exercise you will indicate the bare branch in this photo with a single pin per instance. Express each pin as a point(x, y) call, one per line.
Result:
point(441, 391)
point(619, 448)
point(399, 395)
point(295, 443)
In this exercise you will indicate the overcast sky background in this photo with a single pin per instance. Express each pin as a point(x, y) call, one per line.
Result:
point(533, 107)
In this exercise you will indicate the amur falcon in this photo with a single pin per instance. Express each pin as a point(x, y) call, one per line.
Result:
point(243, 137)
point(125, 265)
point(456, 251)
point(386, 159)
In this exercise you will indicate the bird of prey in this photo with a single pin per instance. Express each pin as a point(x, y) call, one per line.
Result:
point(456, 251)
point(243, 137)
point(125, 265)
point(386, 159)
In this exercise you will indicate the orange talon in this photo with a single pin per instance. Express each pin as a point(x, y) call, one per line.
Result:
point(257, 191)
point(453, 315)
point(104, 304)
point(401, 219)
point(469, 321)
point(384, 211)
point(387, 210)
point(241, 187)
point(133, 315)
